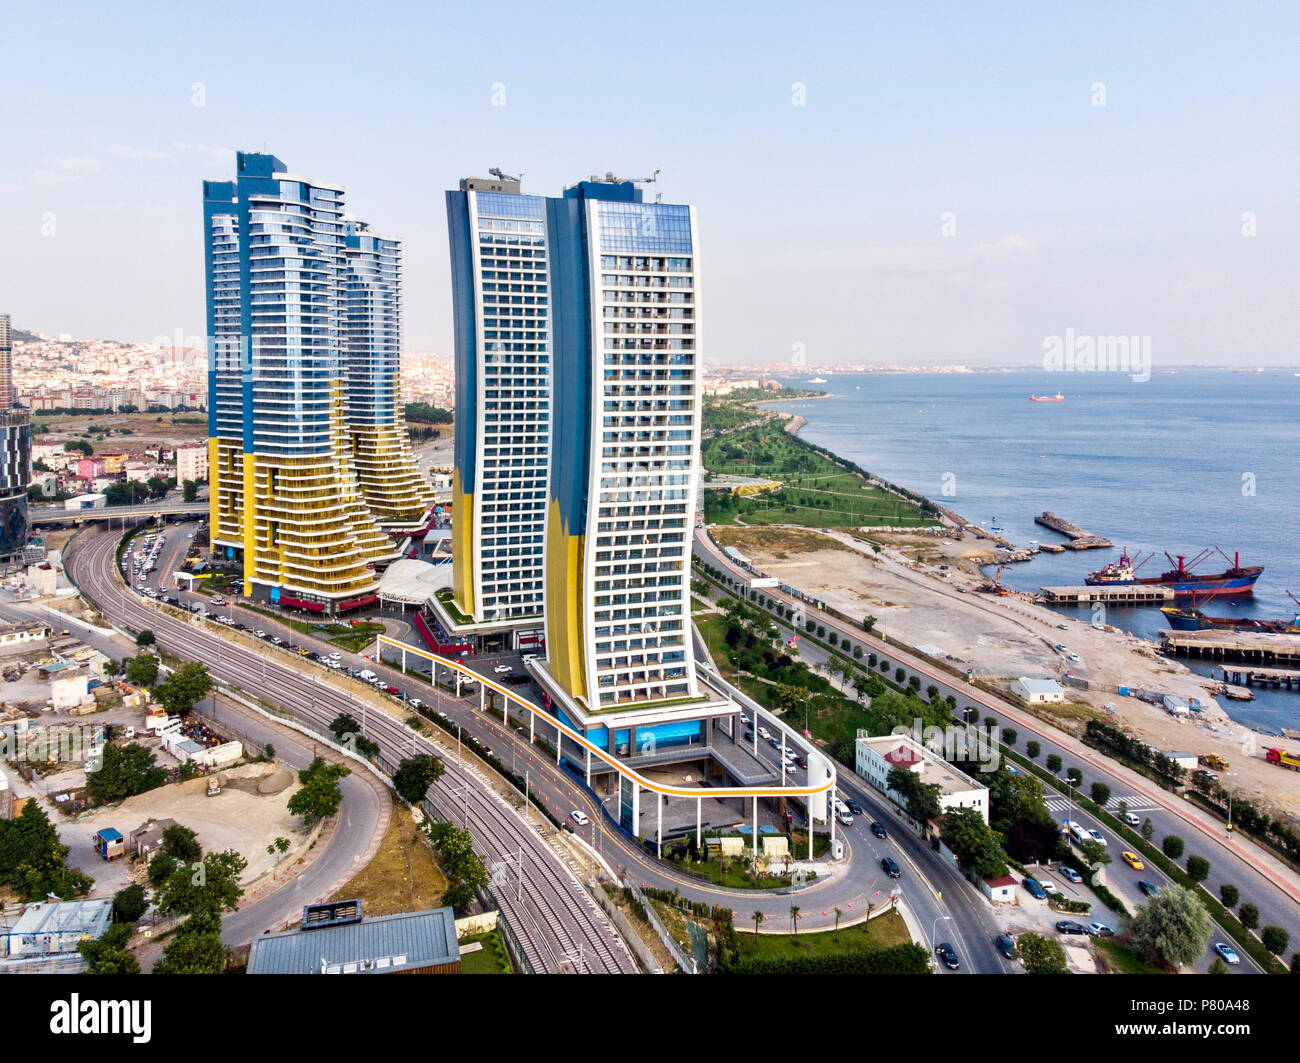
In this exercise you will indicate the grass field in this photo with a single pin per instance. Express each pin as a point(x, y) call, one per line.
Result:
point(883, 932)
point(491, 959)
point(402, 876)
point(1119, 960)
point(815, 491)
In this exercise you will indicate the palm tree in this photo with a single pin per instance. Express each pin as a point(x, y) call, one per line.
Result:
point(794, 919)
point(838, 913)
point(758, 918)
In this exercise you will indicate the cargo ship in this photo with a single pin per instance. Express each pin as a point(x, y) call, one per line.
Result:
point(1195, 620)
point(1180, 579)
point(1058, 397)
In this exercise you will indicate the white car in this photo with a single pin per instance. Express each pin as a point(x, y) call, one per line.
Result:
point(763, 732)
point(1132, 820)
point(1096, 836)
point(1075, 657)
point(1049, 887)
point(579, 817)
point(502, 669)
point(744, 719)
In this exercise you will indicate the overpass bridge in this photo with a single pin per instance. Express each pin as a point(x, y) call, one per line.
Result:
point(162, 508)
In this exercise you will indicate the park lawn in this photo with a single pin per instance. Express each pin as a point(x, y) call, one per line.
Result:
point(491, 959)
point(1119, 960)
point(882, 932)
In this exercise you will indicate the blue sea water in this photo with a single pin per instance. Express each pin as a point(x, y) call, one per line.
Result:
point(1181, 462)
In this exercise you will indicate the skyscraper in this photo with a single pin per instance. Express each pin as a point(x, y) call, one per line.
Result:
point(391, 487)
point(15, 455)
point(285, 501)
point(503, 378)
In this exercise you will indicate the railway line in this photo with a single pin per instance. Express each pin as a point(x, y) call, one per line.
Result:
point(557, 924)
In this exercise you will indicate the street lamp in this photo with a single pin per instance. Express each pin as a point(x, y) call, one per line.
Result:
point(934, 927)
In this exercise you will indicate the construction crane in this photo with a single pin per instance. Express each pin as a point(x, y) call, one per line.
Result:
point(610, 179)
point(495, 171)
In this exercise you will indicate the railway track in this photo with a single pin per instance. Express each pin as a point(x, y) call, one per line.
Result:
point(556, 922)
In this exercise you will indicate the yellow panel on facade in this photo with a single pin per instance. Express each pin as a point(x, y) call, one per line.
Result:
point(564, 605)
point(462, 540)
point(250, 514)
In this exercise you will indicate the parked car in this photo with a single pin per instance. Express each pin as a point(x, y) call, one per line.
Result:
point(1069, 874)
point(502, 669)
point(415, 703)
point(1069, 926)
point(1049, 887)
point(390, 689)
point(890, 868)
point(1146, 889)
point(1133, 860)
point(1227, 952)
point(947, 955)
point(1035, 890)
point(1005, 945)
point(1101, 930)
point(878, 830)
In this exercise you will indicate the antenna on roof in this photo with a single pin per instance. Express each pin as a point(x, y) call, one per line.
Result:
point(495, 171)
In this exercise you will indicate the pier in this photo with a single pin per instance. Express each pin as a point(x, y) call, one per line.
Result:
point(1115, 594)
point(1265, 652)
point(1249, 676)
point(1080, 539)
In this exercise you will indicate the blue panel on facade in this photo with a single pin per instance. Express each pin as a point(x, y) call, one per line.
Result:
point(465, 443)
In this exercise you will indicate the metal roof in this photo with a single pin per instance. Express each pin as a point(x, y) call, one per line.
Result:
point(372, 946)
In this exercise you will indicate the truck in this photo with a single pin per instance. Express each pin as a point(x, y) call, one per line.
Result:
point(1282, 758)
point(1213, 760)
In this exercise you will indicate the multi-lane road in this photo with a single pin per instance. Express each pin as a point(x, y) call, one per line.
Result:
point(556, 922)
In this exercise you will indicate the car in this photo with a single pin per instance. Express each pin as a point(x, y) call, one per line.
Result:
point(1096, 836)
point(1132, 820)
point(843, 815)
point(749, 736)
point(579, 817)
point(1035, 890)
point(1069, 926)
point(416, 703)
point(502, 669)
point(390, 689)
point(1061, 646)
point(442, 715)
point(1075, 657)
point(773, 741)
point(1049, 887)
point(744, 719)
point(763, 732)
point(334, 654)
point(890, 868)
point(947, 955)
point(1227, 953)
point(1005, 945)
point(259, 633)
point(276, 640)
point(790, 769)
point(1069, 874)
point(798, 759)
point(878, 830)
point(336, 664)
point(854, 807)
point(1133, 860)
point(1101, 930)
point(1146, 889)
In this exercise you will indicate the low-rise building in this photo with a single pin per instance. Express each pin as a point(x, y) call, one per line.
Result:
point(49, 929)
point(875, 757)
point(408, 943)
point(1038, 691)
point(92, 501)
point(147, 838)
point(1184, 760)
point(191, 463)
point(14, 638)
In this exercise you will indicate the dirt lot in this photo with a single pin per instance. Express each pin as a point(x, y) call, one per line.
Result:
point(402, 876)
point(919, 604)
point(144, 428)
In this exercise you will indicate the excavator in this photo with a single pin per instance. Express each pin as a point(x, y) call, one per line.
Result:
point(996, 586)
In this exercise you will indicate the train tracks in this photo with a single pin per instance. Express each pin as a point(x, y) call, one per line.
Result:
point(557, 924)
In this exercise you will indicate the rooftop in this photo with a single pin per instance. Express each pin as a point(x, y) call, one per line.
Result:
point(386, 945)
point(1040, 686)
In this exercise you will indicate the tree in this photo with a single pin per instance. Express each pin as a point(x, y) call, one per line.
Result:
point(189, 490)
point(1229, 895)
point(1100, 793)
point(1009, 736)
point(1148, 830)
point(80, 445)
point(160, 869)
point(181, 843)
point(1218, 966)
point(129, 903)
point(839, 914)
point(1172, 928)
point(1121, 810)
point(974, 845)
point(1018, 811)
point(194, 951)
point(920, 799)
point(1094, 852)
point(145, 638)
point(183, 689)
point(131, 493)
point(1172, 846)
point(124, 771)
point(1074, 777)
point(868, 624)
point(415, 775)
point(108, 954)
point(1053, 763)
point(158, 486)
point(788, 697)
point(1040, 955)
point(1275, 939)
point(204, 889)
point(758, 918)
point(1249, 916)
point(344, 724)
point(1198, 868)
point(319, 795)
point(794, 919)
point(142, 669)
point(1032, 749)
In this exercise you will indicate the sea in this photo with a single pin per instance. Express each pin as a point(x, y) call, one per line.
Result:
point(1183, 462)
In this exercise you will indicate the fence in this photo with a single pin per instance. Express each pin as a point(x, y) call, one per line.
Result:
point(685, 962)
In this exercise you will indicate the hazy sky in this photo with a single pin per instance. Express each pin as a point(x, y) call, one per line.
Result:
point(821, 224)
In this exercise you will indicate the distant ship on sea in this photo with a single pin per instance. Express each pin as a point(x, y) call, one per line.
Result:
point(818, 380)
point(1058, 397)
point(1181, 579)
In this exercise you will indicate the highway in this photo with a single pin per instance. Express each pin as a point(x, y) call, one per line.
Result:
point(1230, 862)
point(554, 919)
point(167, 507)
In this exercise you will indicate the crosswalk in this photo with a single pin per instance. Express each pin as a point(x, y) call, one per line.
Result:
point(1132, 801)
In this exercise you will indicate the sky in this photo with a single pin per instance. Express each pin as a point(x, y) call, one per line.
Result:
point(892, 182)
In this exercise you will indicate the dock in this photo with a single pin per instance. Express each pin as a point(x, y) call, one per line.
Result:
point(1115, 594)
point(1244, 675)
point(1266, 653)
point(1080, 538)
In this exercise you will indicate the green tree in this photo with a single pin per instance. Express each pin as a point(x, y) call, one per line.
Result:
point(787, 698)
point(1053, 763)
point(205, 889)
point(415, 775)
point(194, 951)
point(1032, 749)
point(158, 486)
point(1172, 846)
point(919, 798)
point(142, 669)
point(181, 843)
point(1100, 793)
point(108, 953)
point(1198, 868)
point(1229, 895)
point(1074, 777)
point(160, 869)
point(1172, 928)
point(1249, 916)
point(1148, 830)
point(189, 490)
point(129, 903)
point(183, 689)
point(794, 919)
point(80, 445)
point(974, 845)
point(145, 638)
point(1275, 939)
point(124, 771)
point(1009, 736)
point(32, 858)
point(344, 724)
point(758, 918)
point(319, 795)
point(1218, 966)
point(1040, 955)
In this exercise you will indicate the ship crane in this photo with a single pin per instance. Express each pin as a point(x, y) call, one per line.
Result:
point(1234, 562)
